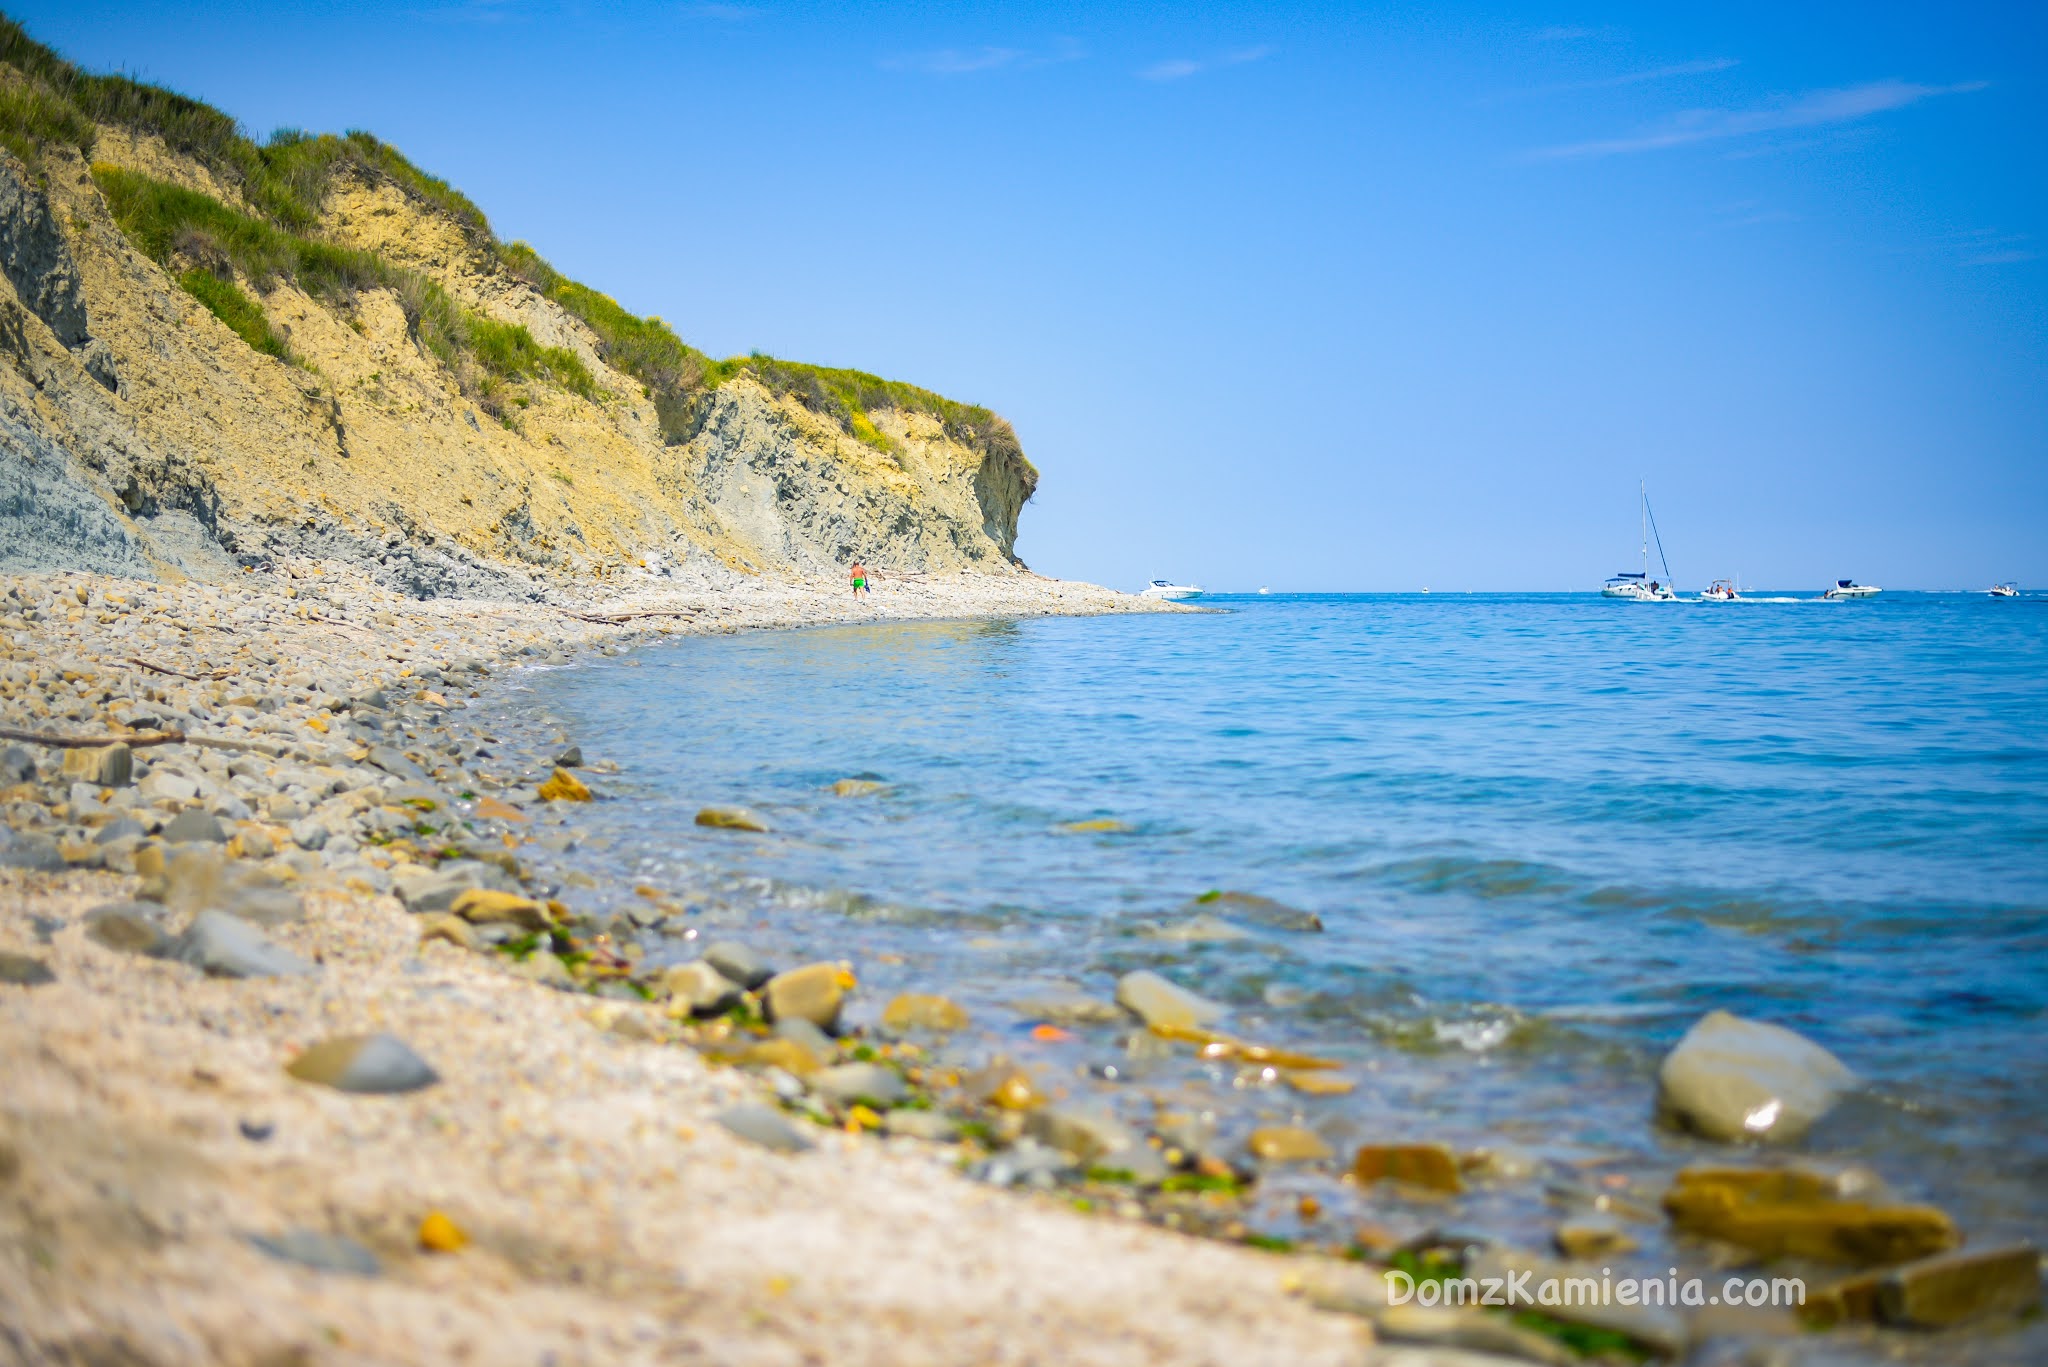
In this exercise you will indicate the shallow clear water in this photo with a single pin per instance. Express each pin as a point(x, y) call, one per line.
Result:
point(1544, 833)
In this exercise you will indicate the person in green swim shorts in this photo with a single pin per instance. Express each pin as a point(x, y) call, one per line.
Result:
point(860, 579)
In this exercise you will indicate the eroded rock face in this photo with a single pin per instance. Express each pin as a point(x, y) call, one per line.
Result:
point(1732, 1079)
point(37, 262)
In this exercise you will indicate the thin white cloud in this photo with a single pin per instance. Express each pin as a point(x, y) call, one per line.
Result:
point(1180, 68)
point(952, 61)
point(1816, 109)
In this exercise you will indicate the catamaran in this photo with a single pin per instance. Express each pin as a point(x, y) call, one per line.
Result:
point(1849, 588)
point(1639, 587)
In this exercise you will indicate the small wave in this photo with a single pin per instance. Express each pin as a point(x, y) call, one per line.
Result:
point(1487, 878)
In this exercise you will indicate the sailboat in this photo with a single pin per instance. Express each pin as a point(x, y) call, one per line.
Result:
point(1639, 587)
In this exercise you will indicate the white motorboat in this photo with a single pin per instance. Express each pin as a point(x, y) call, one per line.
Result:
point(1720, 591)
point(1264, 589)
point(1164, 588)
point(1637, 586)
point(1849, 588)
point(2006, 590)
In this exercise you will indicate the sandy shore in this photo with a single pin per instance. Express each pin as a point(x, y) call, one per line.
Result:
point(150, 1135)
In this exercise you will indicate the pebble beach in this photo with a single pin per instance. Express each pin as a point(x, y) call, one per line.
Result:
point(307, 1060)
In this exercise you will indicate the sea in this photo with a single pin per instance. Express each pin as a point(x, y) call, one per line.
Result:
point(1542, 833)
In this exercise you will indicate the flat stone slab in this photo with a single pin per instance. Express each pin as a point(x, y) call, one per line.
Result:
point(225, 946)
point(766, 1126)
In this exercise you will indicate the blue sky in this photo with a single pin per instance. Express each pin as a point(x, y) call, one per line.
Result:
point(1337, 297)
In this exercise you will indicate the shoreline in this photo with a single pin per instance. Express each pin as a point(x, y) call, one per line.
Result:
point(332, 786)
point(149, 1133)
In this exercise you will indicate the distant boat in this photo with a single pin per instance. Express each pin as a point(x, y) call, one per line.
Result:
point(1639, 587)
point(2005, 590)
point(1720, 591)
point(1848, 588)
point(1264, 589)
point(1163, 588)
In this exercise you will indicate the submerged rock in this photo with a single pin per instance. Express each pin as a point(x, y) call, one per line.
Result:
point(857, 787)
point(1158, 1002)
point(917, 1011)
point(815, 993)
point(1066, 1005)
point(731, 819)
point(1731, 1078)
point(1201, 928)
point(1592, 1238)
point(1432, 1166)
point(1793, 1213)
point(1086, 1133)
point(1286, 1144)
point(766, 1126)
point(1935, 1292)
point(1249, 906)
point(225, 946)
point(369, 1064)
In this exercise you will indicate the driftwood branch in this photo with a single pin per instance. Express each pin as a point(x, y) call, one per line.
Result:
point(179, 673)
point(135, 740)
point(615, 618)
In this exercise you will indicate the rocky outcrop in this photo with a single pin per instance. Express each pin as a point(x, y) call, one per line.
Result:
point(140, 434)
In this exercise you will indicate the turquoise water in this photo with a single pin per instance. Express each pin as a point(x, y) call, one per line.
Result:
point(1544, 833)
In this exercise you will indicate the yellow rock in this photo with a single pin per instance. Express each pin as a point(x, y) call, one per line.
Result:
point(1591, 1239)
point(1318, 1084)
point(453, 929)
point(730, 819)
point(857, 787)
point(485, 906)
point(860, 1117)
point(1933, 1293)
point(1016, 1092)
point(491, 809)
point(563, 786)
point(814, 993)
point(1432, 1166)
point(317, 722)
point(1787, 1213)
point(1102, 825)
point(785, 1054)
point(1286, 1144)
point(439, 1234)
point(917, 1011)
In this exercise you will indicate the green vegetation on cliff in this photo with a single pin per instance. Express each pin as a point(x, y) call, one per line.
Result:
point(205, 243)
point(46, 100)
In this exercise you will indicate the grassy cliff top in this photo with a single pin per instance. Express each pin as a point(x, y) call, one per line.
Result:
point(46, 100)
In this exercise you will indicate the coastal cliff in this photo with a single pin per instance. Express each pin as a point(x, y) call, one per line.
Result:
point(214, 353)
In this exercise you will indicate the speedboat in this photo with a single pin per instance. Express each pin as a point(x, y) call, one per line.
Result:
point(2006, 590)
point(1164, 588)
point(1848, 588)
point(1720, 591)
point(1637, 586)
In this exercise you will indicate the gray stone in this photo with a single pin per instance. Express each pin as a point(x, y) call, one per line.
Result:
point(1063, 1004)
point(425, 890)
point(571, 758)
point(321, 1252)
point(17, 765)
point(1026, 1163)
point(164, 785)
point(309, 834)
point(19, 970)
point(807, 1034)
point(1085, 1132)
point(370, 1064)
point(29, 850)
point(864, 1082)
point(1156, 1001)
point(393, 761)
point(935, 1126)
point(226, 946)
point(1731, 1078)
point(739, 963)
point(130, 927)
point(194, 827)
point(701, 989)
point(766, 1126)
point(119, 828)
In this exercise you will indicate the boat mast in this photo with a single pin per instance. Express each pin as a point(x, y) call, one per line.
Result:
point(1644, 490)
point(1650, 519)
